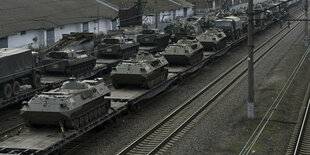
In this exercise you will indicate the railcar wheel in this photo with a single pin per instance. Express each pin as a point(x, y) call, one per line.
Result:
point(7, 90)
point(16, 88)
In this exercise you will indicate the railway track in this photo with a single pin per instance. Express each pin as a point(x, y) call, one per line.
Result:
point(300, 140)
point(273, 107)
point(303, 142)
point(159, 138)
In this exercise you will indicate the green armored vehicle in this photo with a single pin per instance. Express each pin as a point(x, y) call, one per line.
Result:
point(184, 52)
point(152, 37)
point(213, 39)
point(69, 62)
point(73, 105)
point(188, 30)
point(116, 47)
point(173, 28)
point(143, 70)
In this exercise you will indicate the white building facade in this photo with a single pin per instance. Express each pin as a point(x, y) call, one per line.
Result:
point(42, 38)
point(168, 16)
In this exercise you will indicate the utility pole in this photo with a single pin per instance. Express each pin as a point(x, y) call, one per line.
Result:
point(250, 61)
point(306, 24)
point(156, 15)
point(98, 18)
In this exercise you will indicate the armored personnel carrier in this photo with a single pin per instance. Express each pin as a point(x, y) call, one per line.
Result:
point(143, 70)
point(184, 52)
point(152, 37)
point(74, 41)
point(188, 30)
point(173, 28)
point(73, 105)
point(69, 62)
point(213, 39)
point(117, 47)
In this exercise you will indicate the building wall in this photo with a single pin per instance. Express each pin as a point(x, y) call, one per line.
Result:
point(166, 16)
point(59, 31)
point(104, 26)
point(34, 37)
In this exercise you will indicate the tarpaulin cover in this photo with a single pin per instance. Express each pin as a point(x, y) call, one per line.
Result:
point(14, 61)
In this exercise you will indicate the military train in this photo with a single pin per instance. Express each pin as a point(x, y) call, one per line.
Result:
point(142, 69)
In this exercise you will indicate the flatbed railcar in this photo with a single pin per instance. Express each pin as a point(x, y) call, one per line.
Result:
point(49, 82)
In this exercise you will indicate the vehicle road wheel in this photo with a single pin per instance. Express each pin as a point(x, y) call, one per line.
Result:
point(115, 85)
point(7, 90)
point(16, 88)
point(150, 84)
point(36, 82)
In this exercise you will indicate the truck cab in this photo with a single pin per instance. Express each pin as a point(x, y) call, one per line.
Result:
point(231, 25)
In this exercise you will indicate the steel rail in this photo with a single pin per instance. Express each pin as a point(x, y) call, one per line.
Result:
point(298, 146)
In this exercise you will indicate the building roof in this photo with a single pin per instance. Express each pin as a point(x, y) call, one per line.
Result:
point(162, 5)
point(17, 15)
point(203, 4)
point(185, 4)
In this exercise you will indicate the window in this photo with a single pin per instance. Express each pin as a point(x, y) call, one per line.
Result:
point(174, 14)
point(223, 24)
point(50, 37)
point(185, 12)
point(4, 42)
point(22, 32)
point(85, 27)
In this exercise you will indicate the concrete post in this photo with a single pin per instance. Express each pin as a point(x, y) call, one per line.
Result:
point(213, 4)
point(306, 24)
point(156, 15)
point(250, 61)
